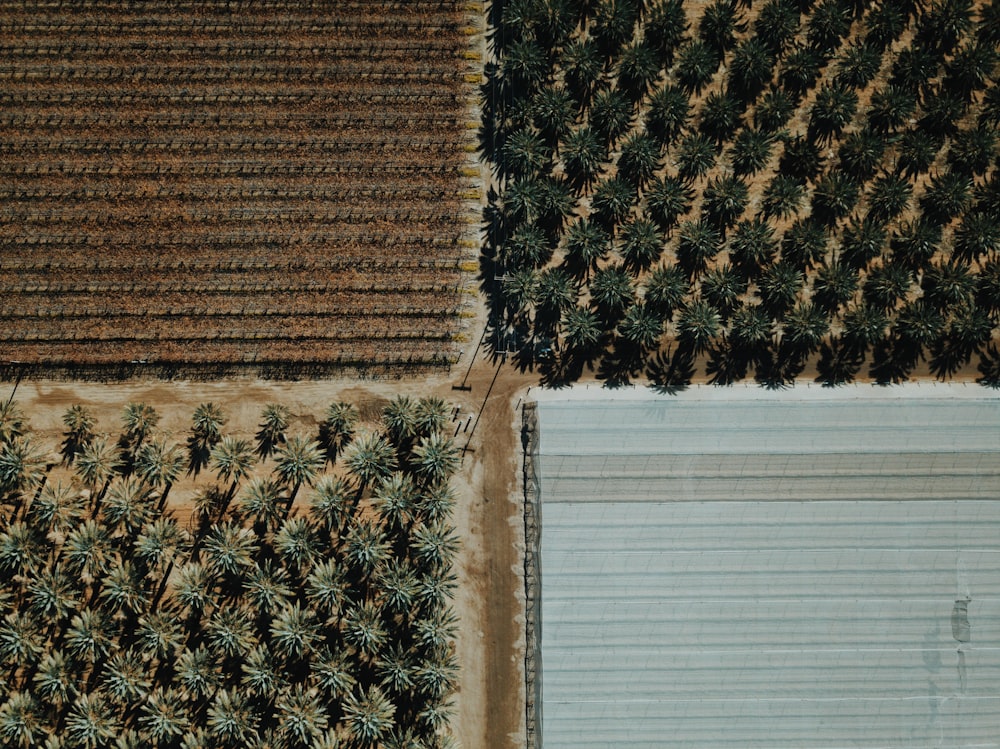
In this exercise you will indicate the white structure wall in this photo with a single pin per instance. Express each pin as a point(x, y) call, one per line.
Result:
point(769, 570)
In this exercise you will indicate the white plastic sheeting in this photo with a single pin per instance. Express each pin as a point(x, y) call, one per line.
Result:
point(765, 572)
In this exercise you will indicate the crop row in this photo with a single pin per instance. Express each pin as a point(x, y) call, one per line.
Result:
point(393, 193)
point(112, 215)
point(443, 98)
point(247, 144)
point(228, 73)
point(359, 26)
point(55, 282)
point(220, 169)
point(412, 118)
point(239, 7)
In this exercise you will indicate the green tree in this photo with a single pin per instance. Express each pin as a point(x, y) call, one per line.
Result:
point(641, 326)
point(301, 715)
point(695, 157)
point(699, 243)
point(779, 287)
point(297, 543)
point(829, 22)
point(230, 548)
point(640, 244)
point(370, 457)
point(832, 111)
point(231, 718)
point(890, 108)
point(163, 716)
point(667, 113)
point(722, 287)
point(889, 197)
point(667, 199)
point(858, 66)
point(773, 110)
point(91, 722)
point(364, 628)
point(783, 196)
point(79, 432)
point(638, 69)
point(696, 64)
point(611, 291)
point(639, 160)
point(665, 290)
point(274, 420)
point(719, 26)
point(369, 715)
point(751, 151)
point(611, 115)
point(665, 26)
point(698, 325)
point(834, 284)
point(612, 201)
point(298, 461)
point(751, 68)
point(752, 246)
point(337, 428)
point(835, 196)
point(295, 632)
point(232, 460)
point(583, 156)
point(586, 245)
point(720, 116)
point(330, 503)
point(804, 327)
point(724, 200)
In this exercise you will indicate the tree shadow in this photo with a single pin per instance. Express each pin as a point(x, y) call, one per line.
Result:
point(671, 373)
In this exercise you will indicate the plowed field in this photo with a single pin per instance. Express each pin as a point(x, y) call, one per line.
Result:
point(274, 184)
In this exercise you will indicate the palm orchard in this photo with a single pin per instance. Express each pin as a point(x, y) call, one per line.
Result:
point(306, 603)
point(747, 187)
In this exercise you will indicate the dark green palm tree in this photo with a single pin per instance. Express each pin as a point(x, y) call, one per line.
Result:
point(138, 420)
point(79, 432)
point(828, 24)
point(665, 290)
point(831, 112)
point(552, 111)
point(520, 290)
point(889, 197)
point(915, 243)
point(773, 110)
point(948, 285)
point(696, 64)
point(640, 244)
point(297, 543)
point(301, 715)
point(776, 25)
point(125, 678)
point(942, 111)
point(366, 546)
point(434, 545)
point(612, 201)
point(206, 431)
point(799, 71)
point(369, 715)
point(667, 113)
point(21, 549)
point(724, 201)
point(436, 458)
point(163, 716)
point(231, 719)
point(54, 594)
point(295, 631)
point(917, 150)
point(330, 503)
point(752, 246)
point(884, 24)
point(230, 548)
point(274, 420)
point(586, 245)
point(90, 636)
point(332, 672)
point(57, 508)
point(667, 199)
point(972, 151)
point(614, 24)
point(751, 69)
point(23, 466)
point(722, 287)
point(977, 236)
point(525, 65)
point(886, 286)
point(751, 151)
point(779, 287)
point(861, 153)
point(194, 588)
point(698, 325)
point(337, 428)
point(611, 115)
point(804, 244)
point(326, 587)
point(968, 330)
point(639, 160)
point(638, 68)
point(695, 157)
point(858, 66)
point(719, 26)
point(719, 117)
point(890, 108)
point(92, 722)
point(298, 461)
point(803, 327)
point(988, 285)
point(864, 326)
point(665, 26)
point(55, 681)
point(87, 549)
point(229, 631)
point(583, 155)
point(232, 460)
point(129, 505)
point(261, 673)
point(267, 588)
point(21, 641)
point(970, 68)
point(556, 292)
point(835, 196)
point(370, 457)
point(783, 196)
point(432, 414)
point(918, 324)
point(801, 159)
point(160, 635)
point(364, 628)
point(582, 65)
point(525, 153)
point(12, 421)
point(158, 465)
point(20, 720)
point(699, 243)
point(946, 197)
point(581, 329)
point(641, 326)
point(751, 328)
point(834, 285)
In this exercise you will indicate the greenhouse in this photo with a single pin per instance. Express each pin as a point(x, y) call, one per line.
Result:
point(746, 568)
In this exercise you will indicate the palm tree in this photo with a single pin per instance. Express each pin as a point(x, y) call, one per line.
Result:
point(399, 418)
point(55, 680)
point(159, 544)
point(23, 466)
point(967, 332)
point(125, 678)
point(641, 244)
point(860, 154)
point(695, 157)
point(804, 244)
point(436, 458)
point(779, 287)
point(641, 326)
point(667, 199)
point(829, 23)
point(586, 245)
point(918, 323)
point(750, 69)
point(890, 108)
point(364, 628)
point(158, 465)
point(261, 676)
point(611, 291)
point(432, 414)
point(129, 504)
point(612, 201)
point(639, 160)
point(722, 288)
point(163, 716)
point(556, 291)
point(197, 672)
point(799, 71)
point(267, 588)
point(90, 636)
point(752, 246)
point(773, 110)
point(665, 290)
point(698, 325)
point(195, 586)
point(946, 196)
point(206, 431)
point(337, 428)
point(917, 150)
point(437, 677)
point(297, 544)
point(858, 66)
point(889, 197)
point(54, 594)
point(667, 113)
point(295, 631)
point(366, 546)
point(19, 720)
point(57, 508)
point(332, 673)
point(751, 327)
point(915, 243)
point(91, 722)
point(776, 25)
point(804, 327)
point(834, 284)
point(720, 116)
point(325, 587)
point(231, 718)
point(864, 325)
point(751, 151)
point(718, 26)
point(581, 329)
point(232, 459)
point(831, 112)
point(552, 113)
point(96, 464)
point(20, 641)
point(583, 156)
point(988, 285)
point(230, 632)
point(700, 241)
point(301, 715)
point(395, 670)
point(123, 589)
point(436, 631)
point(369, 715)
point(638, 69)
point(274, 420)
point(835, 196)
point(394, 499)
point(87, 549)
point(370, 457)
point(948, 285)
point(664, 27)
point(138, 420)
point(527, 247)
point(524, 65)
point(299, 461)
point(330, 502)
point(525, 153)
point(79, 432)
point(582, 65)
point(724, 201)
point(970, 68)
point(884, 24)
point(159, 635)
point(611, 115)
point(230, 548)
point(972, 151)
point(977, 236)
point(20, 549)
point(696, 64)
point(783, 196)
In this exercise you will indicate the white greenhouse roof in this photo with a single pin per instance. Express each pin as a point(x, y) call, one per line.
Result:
point(770, 570)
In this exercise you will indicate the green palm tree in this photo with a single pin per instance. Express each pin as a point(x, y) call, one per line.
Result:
point(527, 247)
point(611, 291)
point(55, 681)
point(230, 548)
point(394, 500)
point(400, 418)
point(884, 24)
point(195, 586)
point(197, 672)
point(860, 154)
point(129, 505)
point(667, 199)
point(365, 629)
point(229, 631)
point(295, 632)
point(665, 290)
point(948, 285)
point(12, 421)
point(583, 155)
point(23, 466)
point(301, 715)
point(582, 64)
point(783, 196)
point(889, 197)
point(804, 327)
point(972, 151)
point(163, 716)
point(232, 460)
point(890, 108)
point(369, 715)
point(612, 201)
point(858, 65)
point(326, 587)
point(864, 325)
point(752, 246)
point(970, 68)
point(799, 71)
point(206, 431)
point(945, 197)
point(779, 287)
point(773, 110)
point(720, 116)
point(696, 64)
point(829, 22)
point(274, 420)
point(639, 160)
point(337, 428)
point(664, 27)
point(834, 284)
point(231, 718)
point(262, 502)
point(437, 676)
point(20, 549)
point(724, 200)
point(611, 115)
point(641, 326)
point(299, 461)
point(434, 545)
point(586, 245)
point(91, 722)
point(21, 641)
point(556, 291)
point(804, 244)
point(330, 503)
point(552, 111)
point(267, 588)
point(916, 151)
point(988, 285)
point(366, 546)
point(751, 151)
point(370, 457)
point(159, 544)
point(432, 414)
point(640, 244)
point(581, 329)
point(297, 543)
point(332, 673)
point(395, 669)
point(19, 720)
point(159, 635)
point(722, 287)
point(524, 65)
point(435, 588)
point(698, 325)
point(90, 636)
point(638, 68)
point(832, 111)
point(835, 196)
point(123, 589)
point(138, 421)
point(751, 68)
point(435, 502)
point(79, 432)
point(695, 157)
point(667, 113)
point(719, 25)
point(96, 464)
point(125, 678)
point(915, 243)
point(88, 549)
point(57, 508)
point(261, 675)
point(436, 631)
point(699, 243)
